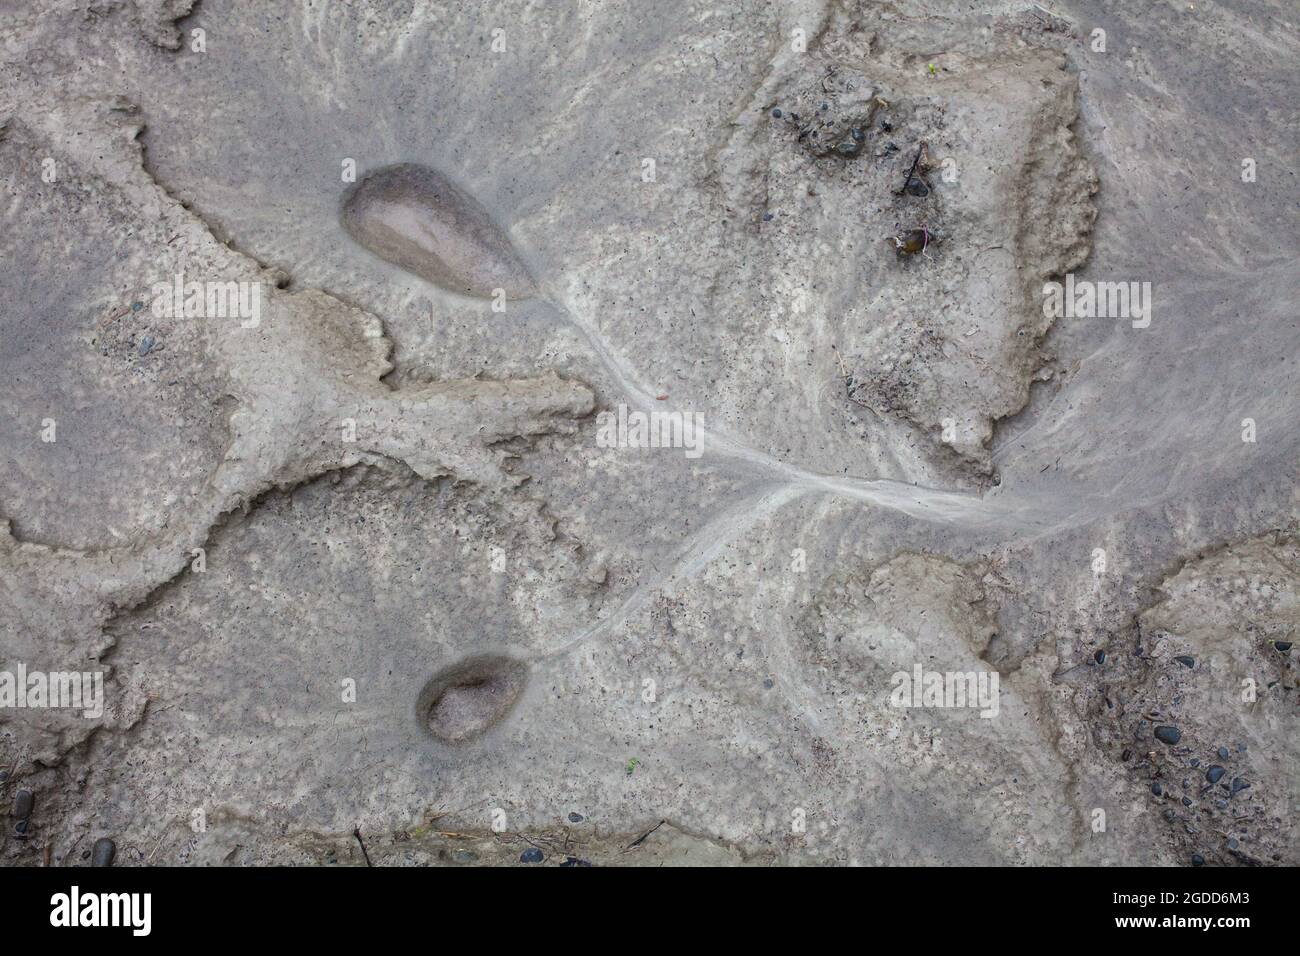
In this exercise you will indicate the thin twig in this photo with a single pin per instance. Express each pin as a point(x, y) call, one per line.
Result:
point(641, 839)
point(356, 832)
point(920, 151)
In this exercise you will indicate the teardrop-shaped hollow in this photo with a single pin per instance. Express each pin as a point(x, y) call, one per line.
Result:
point(416, 218)
point(466, 699)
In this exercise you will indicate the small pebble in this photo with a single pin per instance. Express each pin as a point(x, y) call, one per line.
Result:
point(1223, 753)
point(776, 114)
point(102, 852)
point(24, 803)
point(4, 775)
point(1187, 801)
point(768, 683)
point(531, 855)
point(1198, 860)
point(1155, 788)
point(575, 817)
point(20, 828)
point(146, 344)
point(1282, 646)
point(1099, 657)
point(1214, 774)
point(767, 217)
point(916, 187)
point(1186, 660)
point(1232, 844)
point(1239, 785)
point(574, 861)
point(1170, 816)
point(137, 306)
point(1196, 762)
point(1126, 755)
point(1168, 735)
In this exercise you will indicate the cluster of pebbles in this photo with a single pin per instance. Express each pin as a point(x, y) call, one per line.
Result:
point(100, 854)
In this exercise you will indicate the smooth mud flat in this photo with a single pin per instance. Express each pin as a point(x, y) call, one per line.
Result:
point(635, 434)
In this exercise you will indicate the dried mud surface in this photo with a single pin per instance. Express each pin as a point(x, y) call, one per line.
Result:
point(365, 584)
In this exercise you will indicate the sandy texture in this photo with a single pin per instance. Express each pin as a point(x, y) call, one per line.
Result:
point(367, 584)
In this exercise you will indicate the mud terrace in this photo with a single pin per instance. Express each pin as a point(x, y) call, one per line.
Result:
point(312, 313)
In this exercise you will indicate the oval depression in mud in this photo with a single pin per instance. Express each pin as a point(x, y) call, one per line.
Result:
point(416, 218)
point(463, 701)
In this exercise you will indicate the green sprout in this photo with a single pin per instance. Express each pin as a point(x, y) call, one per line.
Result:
point(632, 765)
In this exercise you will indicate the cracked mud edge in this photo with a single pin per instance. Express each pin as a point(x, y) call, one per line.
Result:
point(233, 839)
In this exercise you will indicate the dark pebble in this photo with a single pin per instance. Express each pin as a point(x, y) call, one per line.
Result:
point(4, 775)
point(574, 861)
point(1186, 660)
point(137, 306)
point(768, 683)
point(102, 852)
point(857, 134)
point(1214, 774)
point(849, 148)
point(146, 344)
point(1198, 860)
point(1232, 844)
point(1126, 755)
point(1196, 762)
point(1282, 646)
point(1187, 801)
point(575, 817)
point(20, 828)
point(1099, 657)
point(1155, 788)
point(531, 855)
point(767, 217)
point(1239, 785)
point(24, 803)
point(776, 114)
point(916, 187)
point(1168, 735)
point(1223, 753)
